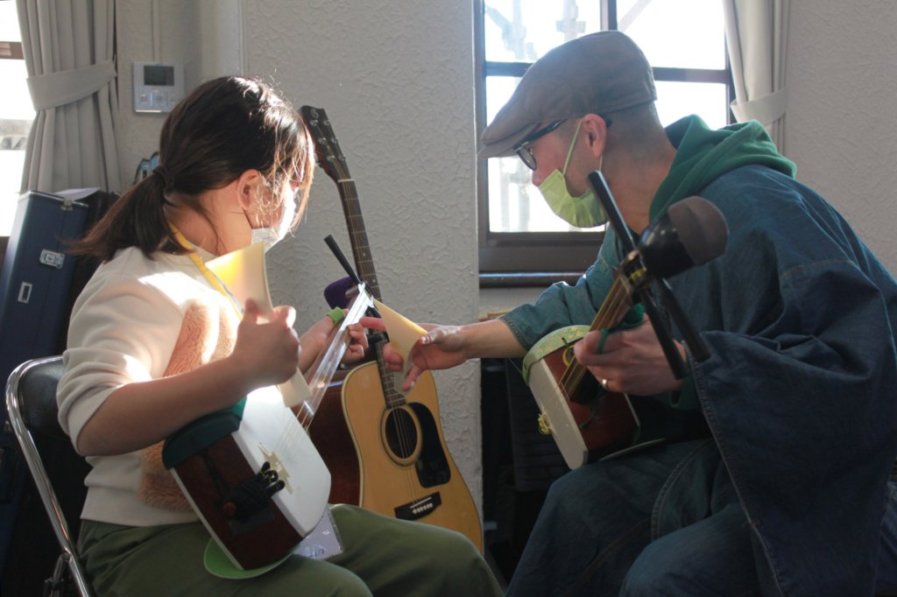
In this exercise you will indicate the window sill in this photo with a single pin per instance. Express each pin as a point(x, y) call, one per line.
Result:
point(526, 279)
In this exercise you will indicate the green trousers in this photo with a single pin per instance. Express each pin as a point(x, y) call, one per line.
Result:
point(382, 556)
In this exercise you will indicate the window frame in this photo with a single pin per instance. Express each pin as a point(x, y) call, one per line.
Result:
point(537, 258)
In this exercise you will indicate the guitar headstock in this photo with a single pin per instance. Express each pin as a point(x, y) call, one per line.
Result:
point(330, 156)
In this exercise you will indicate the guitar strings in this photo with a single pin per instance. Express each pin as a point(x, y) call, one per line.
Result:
point(611, 311)
point(403, 428)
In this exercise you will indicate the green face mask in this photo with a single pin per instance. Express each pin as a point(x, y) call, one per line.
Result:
point(583, 211)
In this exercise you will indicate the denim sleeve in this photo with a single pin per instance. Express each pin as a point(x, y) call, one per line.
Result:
point(561, 305)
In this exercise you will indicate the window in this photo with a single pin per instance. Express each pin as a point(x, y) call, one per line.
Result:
point(16, 114)
point(685, 46)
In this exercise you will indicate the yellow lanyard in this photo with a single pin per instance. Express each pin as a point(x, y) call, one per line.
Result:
point(210, 276)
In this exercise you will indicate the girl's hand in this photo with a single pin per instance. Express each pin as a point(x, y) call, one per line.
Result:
point(267, 348)
point(317, 337)
point(358, 343)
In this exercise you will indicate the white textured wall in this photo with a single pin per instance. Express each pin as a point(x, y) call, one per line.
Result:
point(396, 79)
point(841, 127)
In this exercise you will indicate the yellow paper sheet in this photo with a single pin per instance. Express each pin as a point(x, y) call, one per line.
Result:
point(403, 332)
point(243, 272)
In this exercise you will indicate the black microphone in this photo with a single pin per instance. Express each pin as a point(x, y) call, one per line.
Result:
point(692, 232)
point(335, 292)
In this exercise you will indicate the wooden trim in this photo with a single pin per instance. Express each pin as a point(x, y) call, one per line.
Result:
point(11, 50)
point(526, 279)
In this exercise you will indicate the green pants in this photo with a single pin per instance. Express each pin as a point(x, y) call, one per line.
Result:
point(382, 556)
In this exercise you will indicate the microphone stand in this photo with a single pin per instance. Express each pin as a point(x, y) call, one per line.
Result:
point(695, 343)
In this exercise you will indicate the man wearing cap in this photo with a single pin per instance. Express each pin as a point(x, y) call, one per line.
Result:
point(774, 476)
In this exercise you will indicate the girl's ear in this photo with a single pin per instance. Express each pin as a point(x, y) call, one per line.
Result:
point(249, 187)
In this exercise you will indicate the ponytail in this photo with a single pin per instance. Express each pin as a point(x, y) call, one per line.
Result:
point(136, 219)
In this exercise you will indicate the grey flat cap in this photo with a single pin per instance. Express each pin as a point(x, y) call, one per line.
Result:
point(597, 73)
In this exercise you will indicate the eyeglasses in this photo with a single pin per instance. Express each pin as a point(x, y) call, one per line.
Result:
point(524, 149)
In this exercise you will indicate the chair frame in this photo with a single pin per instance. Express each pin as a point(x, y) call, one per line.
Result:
point(69, 556)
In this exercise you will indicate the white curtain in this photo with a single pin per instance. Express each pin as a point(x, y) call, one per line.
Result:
point(69, 48)
point(757, 40)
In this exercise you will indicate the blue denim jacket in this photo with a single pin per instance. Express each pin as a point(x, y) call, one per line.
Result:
point(799, 390)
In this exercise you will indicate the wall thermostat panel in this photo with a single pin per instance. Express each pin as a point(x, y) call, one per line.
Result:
point(157, 87)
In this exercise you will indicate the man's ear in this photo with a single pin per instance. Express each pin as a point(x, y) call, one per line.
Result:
point(594, 130)
point(249, 187)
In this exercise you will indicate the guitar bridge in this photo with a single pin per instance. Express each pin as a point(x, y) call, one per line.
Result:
point(418, 508)
point(247, 500)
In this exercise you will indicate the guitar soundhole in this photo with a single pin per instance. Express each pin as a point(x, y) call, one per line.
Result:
point(401, 434)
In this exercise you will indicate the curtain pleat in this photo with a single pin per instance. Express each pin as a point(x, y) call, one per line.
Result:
point(757, 42)
point(69, 54)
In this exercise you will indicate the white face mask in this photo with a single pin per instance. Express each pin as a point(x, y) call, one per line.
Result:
point(583, 211)
point(271, 235)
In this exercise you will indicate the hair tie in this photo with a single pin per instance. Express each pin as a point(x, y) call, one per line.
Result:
point(162, 172)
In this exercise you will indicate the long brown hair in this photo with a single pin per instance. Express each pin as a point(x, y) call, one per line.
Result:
point(221, 129)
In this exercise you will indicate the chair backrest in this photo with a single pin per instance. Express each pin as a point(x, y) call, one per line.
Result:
point(32, 407)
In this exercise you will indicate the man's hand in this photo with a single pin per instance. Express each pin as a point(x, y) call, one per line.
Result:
point(628, 361)
point(440, 348)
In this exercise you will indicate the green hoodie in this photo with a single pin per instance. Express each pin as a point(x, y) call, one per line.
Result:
point(704, 154)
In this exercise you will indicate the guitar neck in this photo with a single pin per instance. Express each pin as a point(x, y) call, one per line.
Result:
point(391, 394)
point(361, 249)
point(333, 162)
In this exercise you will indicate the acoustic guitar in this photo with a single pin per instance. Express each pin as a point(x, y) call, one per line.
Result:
point(407, 471)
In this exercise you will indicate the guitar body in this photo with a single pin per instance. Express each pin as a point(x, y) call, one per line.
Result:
point(330, 433)
point(406, 470)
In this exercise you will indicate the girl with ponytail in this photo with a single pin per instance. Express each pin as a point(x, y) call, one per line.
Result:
point(154, 344)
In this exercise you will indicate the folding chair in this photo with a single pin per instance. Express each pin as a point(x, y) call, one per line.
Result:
point(31, 402)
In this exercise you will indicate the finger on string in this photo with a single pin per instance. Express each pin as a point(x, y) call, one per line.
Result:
point(373, 323)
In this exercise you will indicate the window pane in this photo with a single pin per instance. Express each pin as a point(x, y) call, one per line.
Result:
point(676, 34)
point(16, 116)
point(677, 99)
point(523, 31)
point(9, 22)
point(515, 205)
